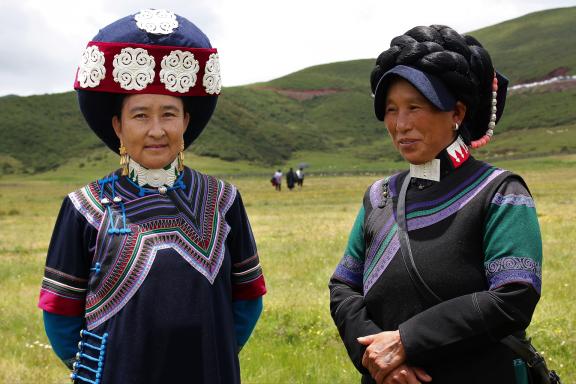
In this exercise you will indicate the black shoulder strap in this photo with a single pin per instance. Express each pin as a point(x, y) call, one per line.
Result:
point(406, 250)
point(517, 343)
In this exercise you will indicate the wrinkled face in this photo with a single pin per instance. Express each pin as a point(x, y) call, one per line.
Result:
point(152, 127)
point(418, 129)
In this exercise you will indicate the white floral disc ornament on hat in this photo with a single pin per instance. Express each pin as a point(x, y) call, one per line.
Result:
point(211, 79)
point(91, 70)
point(179, 71)
point(133, 68)
point(156, 21)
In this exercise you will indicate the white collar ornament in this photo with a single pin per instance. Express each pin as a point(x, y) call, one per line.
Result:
point(426, 171)
point(153, 177)
point(457, 152)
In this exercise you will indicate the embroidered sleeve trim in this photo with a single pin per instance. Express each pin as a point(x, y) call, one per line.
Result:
point(350, 270)
point(514, 269)
point(513, 199)
point(70, 279)
point(246, 271)
point(86, 201)
point(64, 285)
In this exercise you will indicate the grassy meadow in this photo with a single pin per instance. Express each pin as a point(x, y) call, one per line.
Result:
point(301, 235)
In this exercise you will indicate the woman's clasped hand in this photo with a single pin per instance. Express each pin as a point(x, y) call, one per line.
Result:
point(385, 359)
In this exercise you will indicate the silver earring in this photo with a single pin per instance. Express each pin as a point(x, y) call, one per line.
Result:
point(456, 126)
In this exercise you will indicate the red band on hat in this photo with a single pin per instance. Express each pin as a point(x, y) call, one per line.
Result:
point(142, 68)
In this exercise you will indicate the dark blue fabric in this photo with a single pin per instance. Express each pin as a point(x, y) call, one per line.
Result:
point(246, 314)
point(63, 333)
point(178, 327)
point(125, 30)
point(429, 85)
point(71, 254)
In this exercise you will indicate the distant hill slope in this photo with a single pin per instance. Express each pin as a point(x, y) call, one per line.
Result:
point(325, 109)
point(533, 46)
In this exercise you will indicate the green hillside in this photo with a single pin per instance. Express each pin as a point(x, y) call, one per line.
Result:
point(322, 115)
point(532, 46)
point(343, 75)
point(525, 49)
point(40, 132)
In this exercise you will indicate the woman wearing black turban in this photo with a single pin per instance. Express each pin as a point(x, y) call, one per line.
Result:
point(444, 260)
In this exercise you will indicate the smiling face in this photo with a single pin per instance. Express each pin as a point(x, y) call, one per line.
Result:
point(418, 129)
point(152, 127)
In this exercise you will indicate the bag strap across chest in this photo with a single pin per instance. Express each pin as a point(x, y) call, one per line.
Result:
point(518, 343)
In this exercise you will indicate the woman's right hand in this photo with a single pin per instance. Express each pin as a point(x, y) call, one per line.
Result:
point(405, 374)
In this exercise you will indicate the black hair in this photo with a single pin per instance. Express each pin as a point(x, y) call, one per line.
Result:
point(459, 61)
point(118, 104)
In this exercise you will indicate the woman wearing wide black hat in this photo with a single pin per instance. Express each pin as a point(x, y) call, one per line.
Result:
point(444, 260)
point(152, 273)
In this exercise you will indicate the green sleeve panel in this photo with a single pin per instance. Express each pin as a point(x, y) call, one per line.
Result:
point(512, 240)
point(346, 296)
point(356, 245)
point(351, 266)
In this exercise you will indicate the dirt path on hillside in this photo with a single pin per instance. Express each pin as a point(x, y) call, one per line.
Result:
point(304, 94)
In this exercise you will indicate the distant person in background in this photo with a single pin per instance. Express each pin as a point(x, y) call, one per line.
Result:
point(290, 179)
point(300, 177)
point(278, 180)
point(152, 274)
point(444, 260)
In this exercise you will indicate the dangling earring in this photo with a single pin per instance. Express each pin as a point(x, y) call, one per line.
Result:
point(181, 158)
point(456, 126)
point(124, 159)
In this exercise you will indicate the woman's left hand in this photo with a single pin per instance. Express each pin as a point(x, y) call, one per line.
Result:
point(384, 352)
point(407, 375)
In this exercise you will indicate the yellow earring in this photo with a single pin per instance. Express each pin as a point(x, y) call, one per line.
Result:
point(181, 158)
point(124, 159)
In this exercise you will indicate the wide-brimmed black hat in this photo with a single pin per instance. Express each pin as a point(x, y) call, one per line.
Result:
point(154, 51)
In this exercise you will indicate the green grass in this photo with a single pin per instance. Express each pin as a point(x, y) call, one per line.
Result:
point(530, 143)
point(301, 236)
point(538, 109)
